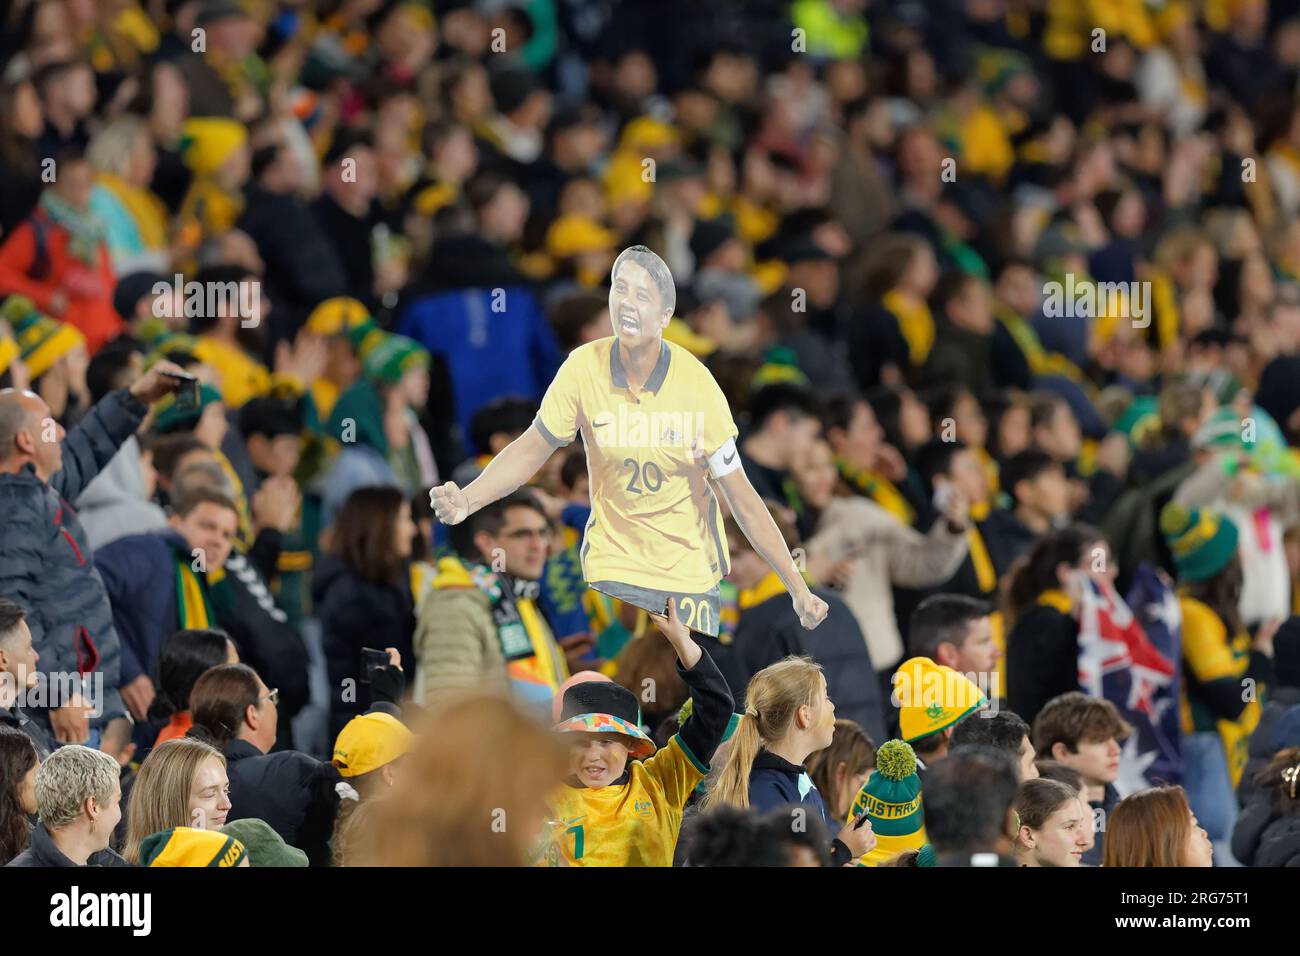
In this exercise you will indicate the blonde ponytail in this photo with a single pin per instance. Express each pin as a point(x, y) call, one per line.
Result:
point(772, 698)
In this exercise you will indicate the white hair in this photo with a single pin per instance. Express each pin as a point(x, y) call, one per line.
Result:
point(68, 777)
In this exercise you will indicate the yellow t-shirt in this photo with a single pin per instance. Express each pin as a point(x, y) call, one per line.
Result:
point(633, 824)
point(1209, 655)
point(655, 522)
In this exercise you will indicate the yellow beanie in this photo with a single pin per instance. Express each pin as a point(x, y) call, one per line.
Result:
point(931, 697)
point(335, 316)
point(208, 141)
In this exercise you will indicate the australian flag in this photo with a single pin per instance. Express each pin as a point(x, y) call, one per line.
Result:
point(1129, 654)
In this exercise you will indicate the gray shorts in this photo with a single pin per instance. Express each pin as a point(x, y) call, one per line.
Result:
point(699, 612)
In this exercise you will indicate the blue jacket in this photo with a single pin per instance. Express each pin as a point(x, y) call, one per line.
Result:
point(46, 564)
point(775, 783)
point(491, 353)
point(139, 573)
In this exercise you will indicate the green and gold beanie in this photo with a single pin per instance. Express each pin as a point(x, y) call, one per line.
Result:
point(188, 846)
point(42, 341)
point(8, 352)
point(391, 357)
point(891, 799)
point(169, 417)
point(1202, 541)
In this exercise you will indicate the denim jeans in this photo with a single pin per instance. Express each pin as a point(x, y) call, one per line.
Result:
point(1209, 791)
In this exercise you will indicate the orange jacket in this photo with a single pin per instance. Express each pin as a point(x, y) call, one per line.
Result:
point(93, 315)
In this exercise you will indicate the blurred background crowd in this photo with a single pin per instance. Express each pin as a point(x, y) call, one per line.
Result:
point(880, 216)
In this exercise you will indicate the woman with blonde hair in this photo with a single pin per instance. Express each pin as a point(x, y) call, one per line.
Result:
point(473, 793)
point(1156, 827)
point(182, 783)
point(787, 717)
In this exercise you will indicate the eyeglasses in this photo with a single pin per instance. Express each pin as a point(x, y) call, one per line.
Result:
point(273, 696)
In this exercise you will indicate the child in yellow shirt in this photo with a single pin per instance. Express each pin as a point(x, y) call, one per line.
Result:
point(623, 802)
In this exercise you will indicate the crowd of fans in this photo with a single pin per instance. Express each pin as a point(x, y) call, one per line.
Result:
point(1003, 294)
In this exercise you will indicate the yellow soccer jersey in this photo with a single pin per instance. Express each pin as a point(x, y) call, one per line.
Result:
point(655, 522)
point(633, 824)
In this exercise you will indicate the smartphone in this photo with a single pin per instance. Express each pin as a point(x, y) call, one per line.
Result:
point(187, 395)
point(371, 661)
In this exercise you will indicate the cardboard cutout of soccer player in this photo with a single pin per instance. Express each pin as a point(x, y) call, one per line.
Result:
point(658, 435)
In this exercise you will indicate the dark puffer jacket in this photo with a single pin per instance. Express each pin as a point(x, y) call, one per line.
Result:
point(770, 631)
point(1264, 837)
point(45, 558)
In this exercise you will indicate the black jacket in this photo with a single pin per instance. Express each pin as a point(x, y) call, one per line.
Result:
point(1263, 837)
point(1042, 659)
point(356, 613)
point(959, 357)
point(1107, 803)
point(19, 720)
point(43, 852)
point(775, 783)
point(1280, 700)
point(770, 631)
point(266, 640)
point(302, 267)
point(292, 792)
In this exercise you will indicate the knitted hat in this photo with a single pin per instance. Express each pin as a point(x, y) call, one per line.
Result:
point(170, 417)
point(8, 352)
point(891, 799)
point(393, 356)
point(337, 316)
point(574, 235)
point(931, 697)
point(1257, 434)
point(42, 340)
point(1202, 541)
point(368, 742)
point(265, 847)
point(186, 846)
point(603, 707)
point(364, 337)
point(208, 141)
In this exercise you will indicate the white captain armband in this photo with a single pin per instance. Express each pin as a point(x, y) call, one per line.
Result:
point(725, 460)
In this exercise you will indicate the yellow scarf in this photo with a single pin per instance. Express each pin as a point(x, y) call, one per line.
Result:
point(914, 322)
point(985, 574)
point(879, 489)
point(770, 586)
point(192, 603)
